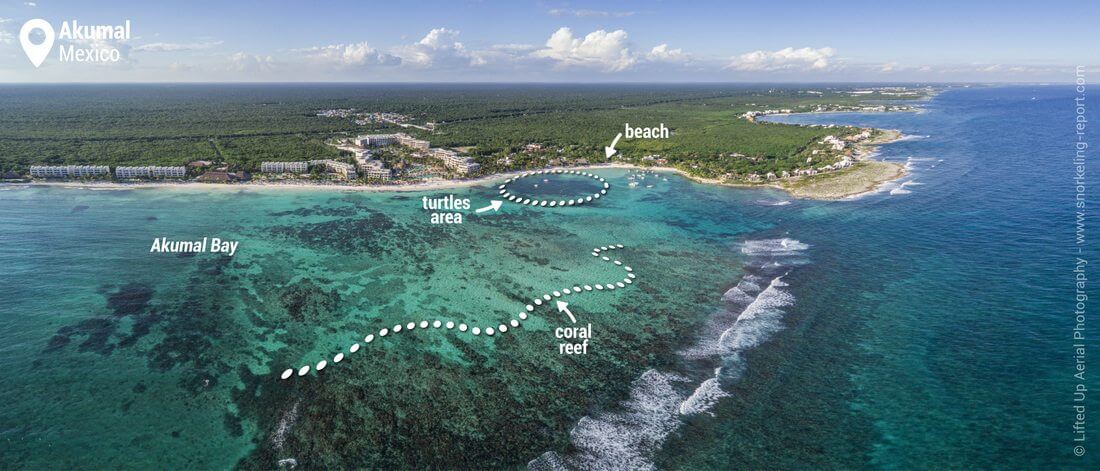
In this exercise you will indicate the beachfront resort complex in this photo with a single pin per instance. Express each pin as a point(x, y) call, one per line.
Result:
point(362, 150)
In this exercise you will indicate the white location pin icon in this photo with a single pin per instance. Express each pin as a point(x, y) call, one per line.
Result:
point(36, 52)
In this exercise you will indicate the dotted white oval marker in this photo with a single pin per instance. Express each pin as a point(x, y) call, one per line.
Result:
point(523, 315)
point(489, 331)
point(627, 281)
point(557, 294)
point(477, 331)
point(397, 328)
point(606, 259)
point(436, 324)
point(587, 287)
point(303, 370)
point(619, 246)
point(286, 374)
point(546, 297)
point(566, 291)
point(576, 289)
point(338, 358)
point(370, 338)
point(502, 328)
point(630, 275)
point(355, 347)
point(383, 332)
point(450, 325)
point(530, 307)
point(618, 262)
point(410, 326)
point(462, 327)
point(321, 365)
point(514, 323)
point(538, 302)
point(609, 286)
point(620, 284)
point(599, 287)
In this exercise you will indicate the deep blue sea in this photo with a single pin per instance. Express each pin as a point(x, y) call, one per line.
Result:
point(950, 295)
point(928, 325)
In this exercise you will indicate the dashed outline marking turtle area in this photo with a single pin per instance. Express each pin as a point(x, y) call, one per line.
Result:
point(505, 193)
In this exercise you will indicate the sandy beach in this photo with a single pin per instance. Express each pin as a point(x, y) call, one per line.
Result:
point(865, 177)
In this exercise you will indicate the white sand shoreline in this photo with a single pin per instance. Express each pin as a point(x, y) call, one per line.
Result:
point(303, 185)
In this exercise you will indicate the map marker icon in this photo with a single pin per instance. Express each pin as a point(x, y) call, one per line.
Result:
point(36, 52)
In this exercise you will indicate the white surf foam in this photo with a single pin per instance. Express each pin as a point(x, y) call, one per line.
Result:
point(773, 247)
point(745, 290)
point(902, 190)
point(704, 397)
point(627, 439)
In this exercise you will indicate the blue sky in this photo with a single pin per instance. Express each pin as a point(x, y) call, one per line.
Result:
point(566, 41)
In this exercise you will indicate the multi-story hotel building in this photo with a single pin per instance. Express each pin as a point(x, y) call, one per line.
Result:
point(347, 171)
point(284, 167)
point(453, 160)
point(150, 172)
point(69, 171)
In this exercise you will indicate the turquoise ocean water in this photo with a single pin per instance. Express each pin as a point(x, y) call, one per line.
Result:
point(924, 326)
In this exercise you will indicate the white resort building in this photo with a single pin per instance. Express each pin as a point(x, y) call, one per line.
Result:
point(150, 172)
point(347, 171)
point(284, 167)
point(376, 140)
point(69, 171)
point(375, 169)
point(453, 160)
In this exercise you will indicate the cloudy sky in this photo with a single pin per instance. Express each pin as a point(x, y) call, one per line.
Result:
point(550, 41)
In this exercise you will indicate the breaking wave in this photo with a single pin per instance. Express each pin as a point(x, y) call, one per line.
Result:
point(628, 436)
point(773, 247)
point(902, 190)
point(624, 439)
point(704, 397)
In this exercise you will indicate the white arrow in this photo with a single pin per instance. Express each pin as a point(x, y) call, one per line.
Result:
point(564, 307)
point(493, 205)
point(610, 150)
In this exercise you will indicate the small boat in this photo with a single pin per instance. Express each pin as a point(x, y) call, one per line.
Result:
point(633, 184)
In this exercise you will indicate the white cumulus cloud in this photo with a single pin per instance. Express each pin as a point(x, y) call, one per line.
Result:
point(251, 63)
point(349, 55)
point(599, 49)
point(439, 48)
point(806, 58)
point(663, 53)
